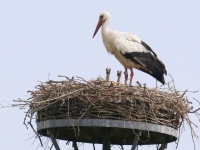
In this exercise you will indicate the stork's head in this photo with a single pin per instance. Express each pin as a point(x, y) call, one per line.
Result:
point(102, 18)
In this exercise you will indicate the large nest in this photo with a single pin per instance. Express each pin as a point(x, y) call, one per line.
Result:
point(76, 98)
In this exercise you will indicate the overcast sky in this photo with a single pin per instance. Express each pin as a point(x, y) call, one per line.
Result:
point(42, 37)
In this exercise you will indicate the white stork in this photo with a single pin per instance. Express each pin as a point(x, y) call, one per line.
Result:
point(130, 51)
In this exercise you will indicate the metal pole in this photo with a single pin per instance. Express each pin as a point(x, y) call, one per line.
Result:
point(106, 142)
point(163, 146)
point(51, 135)
point(135, 141)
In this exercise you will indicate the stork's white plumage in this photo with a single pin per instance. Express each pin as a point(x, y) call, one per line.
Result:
point(130, 51)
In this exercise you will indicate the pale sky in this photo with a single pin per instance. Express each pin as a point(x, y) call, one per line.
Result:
point(38, 37)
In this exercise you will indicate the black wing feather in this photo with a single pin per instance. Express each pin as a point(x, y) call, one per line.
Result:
point(162, 65)
point(148, 47)
point(149, 64)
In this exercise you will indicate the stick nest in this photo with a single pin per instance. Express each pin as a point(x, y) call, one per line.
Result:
point(76, 98)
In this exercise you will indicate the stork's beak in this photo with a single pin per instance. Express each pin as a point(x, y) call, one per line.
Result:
point(97, 28)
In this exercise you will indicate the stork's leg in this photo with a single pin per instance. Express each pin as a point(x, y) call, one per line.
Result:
point(126, 75)
point(131, 75)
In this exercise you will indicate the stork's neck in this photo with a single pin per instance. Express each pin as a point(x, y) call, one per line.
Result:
point(105, 25)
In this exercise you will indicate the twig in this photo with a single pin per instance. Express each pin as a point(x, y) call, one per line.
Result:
point(139, 84)
point(122, 148)
point(194, 111)
point(184, 93)
point(93, 146)
point(25, 118)
point(36, 133)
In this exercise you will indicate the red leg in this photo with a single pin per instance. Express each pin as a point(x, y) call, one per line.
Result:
point(126, 75)
point(131, 75)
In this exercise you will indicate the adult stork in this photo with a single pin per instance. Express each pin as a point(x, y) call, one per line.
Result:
point(130, 51)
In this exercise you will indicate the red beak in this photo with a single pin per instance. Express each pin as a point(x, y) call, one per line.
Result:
point(97, 28)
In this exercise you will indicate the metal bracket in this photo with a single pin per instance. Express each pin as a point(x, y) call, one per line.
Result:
point(163, 146)
point(51, 135)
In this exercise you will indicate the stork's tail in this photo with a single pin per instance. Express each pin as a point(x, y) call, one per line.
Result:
point(157, 70)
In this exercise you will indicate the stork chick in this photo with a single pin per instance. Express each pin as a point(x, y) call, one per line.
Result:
point(108, 70)
point(119, 72)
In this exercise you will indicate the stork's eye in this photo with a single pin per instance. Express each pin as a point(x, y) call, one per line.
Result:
point(101, 17)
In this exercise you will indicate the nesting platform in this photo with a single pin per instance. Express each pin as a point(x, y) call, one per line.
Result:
point(119, 132)
point(92, 111)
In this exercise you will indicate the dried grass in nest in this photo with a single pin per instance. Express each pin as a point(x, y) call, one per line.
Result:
point(79, 99)
point(76, 98)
